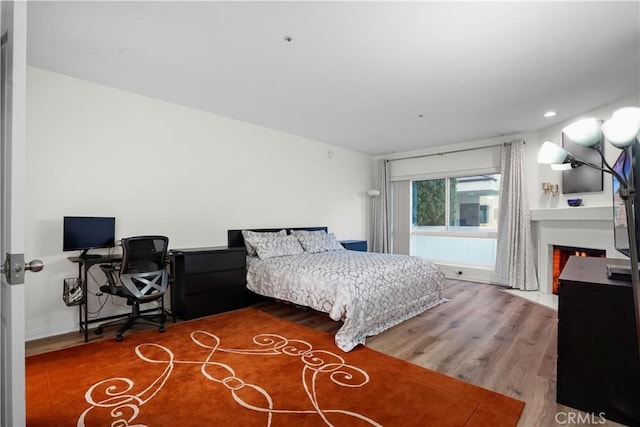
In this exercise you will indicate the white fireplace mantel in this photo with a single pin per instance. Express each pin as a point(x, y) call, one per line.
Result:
point(578, 213)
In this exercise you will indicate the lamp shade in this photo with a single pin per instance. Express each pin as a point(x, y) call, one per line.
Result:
point(621, 131)
point(623, 127)
point(553, 154)
point(585, 132)
point(627, 114)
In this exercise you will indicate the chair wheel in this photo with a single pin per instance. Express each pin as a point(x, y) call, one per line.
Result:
point(161, 329)
point(119, 338)
point(98, 330)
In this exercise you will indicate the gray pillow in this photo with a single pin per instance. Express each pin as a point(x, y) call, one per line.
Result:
point(276, 246)
point(248, 234)
point(317, 241)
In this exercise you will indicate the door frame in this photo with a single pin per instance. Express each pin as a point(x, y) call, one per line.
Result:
point(13, 31)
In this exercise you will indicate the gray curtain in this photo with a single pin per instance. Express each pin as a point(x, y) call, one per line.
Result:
point(515, 265)
point(381, 210)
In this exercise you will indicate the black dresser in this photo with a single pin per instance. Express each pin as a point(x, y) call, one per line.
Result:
point(598, 361)
point(208, 281)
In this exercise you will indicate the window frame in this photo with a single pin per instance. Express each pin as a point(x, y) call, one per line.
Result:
point(493, 234)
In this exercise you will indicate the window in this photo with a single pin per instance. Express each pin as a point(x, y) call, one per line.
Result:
point(455, 220)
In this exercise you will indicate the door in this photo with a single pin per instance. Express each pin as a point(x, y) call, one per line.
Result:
point(12, 190)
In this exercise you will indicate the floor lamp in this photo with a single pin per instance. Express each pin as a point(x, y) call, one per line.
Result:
point(622, 132)
point(374, 221)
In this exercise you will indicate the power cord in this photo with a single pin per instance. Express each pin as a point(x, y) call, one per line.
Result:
point(101, 302)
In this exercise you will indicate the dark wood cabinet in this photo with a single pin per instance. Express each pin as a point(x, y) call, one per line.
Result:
point(208, 281)
point(354, 245)
point(598, 367)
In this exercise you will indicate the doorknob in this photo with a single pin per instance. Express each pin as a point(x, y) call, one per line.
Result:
point(35, 265)
point(14, 267)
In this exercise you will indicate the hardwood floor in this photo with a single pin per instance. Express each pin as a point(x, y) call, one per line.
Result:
point(482, 335)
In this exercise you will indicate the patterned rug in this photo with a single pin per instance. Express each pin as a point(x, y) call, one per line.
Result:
point(247, 368)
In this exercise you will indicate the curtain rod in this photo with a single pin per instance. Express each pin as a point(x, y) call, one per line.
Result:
point(442, 153)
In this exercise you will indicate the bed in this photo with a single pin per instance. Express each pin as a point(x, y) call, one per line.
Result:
point(368, 292)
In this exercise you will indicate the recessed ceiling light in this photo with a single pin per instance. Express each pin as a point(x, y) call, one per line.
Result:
point(550, 114)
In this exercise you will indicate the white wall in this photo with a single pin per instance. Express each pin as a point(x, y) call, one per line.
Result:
point(537, 174)
point(166, 169)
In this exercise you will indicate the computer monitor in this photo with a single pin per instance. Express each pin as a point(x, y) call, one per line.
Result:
point(81, 233)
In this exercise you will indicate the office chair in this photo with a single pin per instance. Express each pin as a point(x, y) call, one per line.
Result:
point(141, 278)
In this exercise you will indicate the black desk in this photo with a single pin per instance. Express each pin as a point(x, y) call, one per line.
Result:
point(84, 264)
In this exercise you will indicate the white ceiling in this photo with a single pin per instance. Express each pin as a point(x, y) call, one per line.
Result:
point(356, 74)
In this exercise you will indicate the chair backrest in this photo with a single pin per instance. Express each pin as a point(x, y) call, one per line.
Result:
point(143, 270)
point(141, 254)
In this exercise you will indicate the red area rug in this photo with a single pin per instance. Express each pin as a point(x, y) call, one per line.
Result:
point(247, 368)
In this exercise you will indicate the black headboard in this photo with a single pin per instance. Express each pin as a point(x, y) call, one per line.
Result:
point(236, 240)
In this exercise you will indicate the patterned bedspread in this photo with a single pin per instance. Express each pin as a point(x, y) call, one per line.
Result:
point(369, 292)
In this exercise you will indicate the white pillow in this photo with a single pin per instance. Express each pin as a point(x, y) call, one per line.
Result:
point(317, 241)
point(276, 246)
point(248, 234)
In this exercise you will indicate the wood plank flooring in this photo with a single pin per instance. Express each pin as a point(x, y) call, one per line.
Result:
point(482, 335)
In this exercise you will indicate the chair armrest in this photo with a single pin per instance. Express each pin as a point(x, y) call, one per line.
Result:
point(111, 273)
point(107, 268)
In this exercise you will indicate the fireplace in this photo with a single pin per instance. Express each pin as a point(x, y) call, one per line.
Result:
point(561, 255)
point(581, 227)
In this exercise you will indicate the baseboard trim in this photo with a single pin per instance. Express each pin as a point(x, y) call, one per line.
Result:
point(469, 274)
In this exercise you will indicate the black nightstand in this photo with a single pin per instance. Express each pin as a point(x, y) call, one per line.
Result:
point(354, 245)
point(208, 281)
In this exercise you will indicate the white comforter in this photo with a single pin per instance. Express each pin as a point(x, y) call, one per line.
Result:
point(369, 292)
